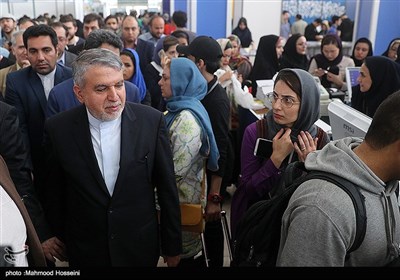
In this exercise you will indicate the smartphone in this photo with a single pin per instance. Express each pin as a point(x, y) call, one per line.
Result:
point(263, 148)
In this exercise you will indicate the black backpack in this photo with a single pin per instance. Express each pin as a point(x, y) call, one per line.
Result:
point(258, 231)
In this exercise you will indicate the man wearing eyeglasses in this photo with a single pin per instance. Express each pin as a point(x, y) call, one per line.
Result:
point(65, 57)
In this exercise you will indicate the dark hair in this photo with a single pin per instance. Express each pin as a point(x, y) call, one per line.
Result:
point(93, 17)
point(179, 18)
point(59, 24)
point(385, 126)
point(334, 19)
point(40, 30)
point(211, 66)
point(111, 16)
point(68, 18)
point(180, 34)
point(298, 16)
point(100, 36)
point(169, 41)
point(291, 80)
point(318, 20)
point(228, 45)
point(24, 19)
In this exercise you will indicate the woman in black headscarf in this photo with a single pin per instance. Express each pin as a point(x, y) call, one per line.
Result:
point(362, 49)
point(330, 65)
point(294, 55)
point(243, 32)
point(379, 78)
point(266, 62)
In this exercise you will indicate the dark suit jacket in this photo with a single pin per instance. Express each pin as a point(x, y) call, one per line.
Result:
point(13, 150)
point(69, 58)
point(145, 51)
point(62, 97)
point(35, 255)
point(24, 90)
point(122, 230)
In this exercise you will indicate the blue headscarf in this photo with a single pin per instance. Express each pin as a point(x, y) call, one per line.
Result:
point(137, 78)
point(188, 88)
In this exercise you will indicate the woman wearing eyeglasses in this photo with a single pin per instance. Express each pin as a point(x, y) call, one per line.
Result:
point(290, 126)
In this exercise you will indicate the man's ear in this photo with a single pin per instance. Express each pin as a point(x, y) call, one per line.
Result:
point(78, 93)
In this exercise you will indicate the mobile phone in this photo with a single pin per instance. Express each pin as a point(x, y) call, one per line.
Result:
point(263, 148)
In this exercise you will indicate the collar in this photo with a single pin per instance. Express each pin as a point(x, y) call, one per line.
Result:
point(48, 76)
point(212, 84)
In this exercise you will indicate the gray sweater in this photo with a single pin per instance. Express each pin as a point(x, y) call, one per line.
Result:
point(318, 227)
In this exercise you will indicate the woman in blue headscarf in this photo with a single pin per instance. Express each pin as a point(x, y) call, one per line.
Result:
point(191, 137)
point(132, 72)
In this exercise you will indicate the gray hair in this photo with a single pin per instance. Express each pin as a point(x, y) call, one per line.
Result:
point(93, 57)
point(15, 35)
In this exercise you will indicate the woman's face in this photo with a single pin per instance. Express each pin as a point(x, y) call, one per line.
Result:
point(171, 52)
point(226, 57)
point(283, 115)
point(279, 48)
point(392, 54)
point(129, 68)
point(364, 79)
point(242, 26)
point(235, 48)
point(361, 51)
point(165, 83)
point(301, 45)
point(183, 41)
point(330, 51)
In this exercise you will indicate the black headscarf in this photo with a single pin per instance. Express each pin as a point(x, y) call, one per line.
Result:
point(385, 75)
point(290, 57)
point(324, 63)
point(244, 35)
point(370, 52)
point(266, 61)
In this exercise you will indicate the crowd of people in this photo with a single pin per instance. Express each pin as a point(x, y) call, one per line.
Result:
point(108, 125)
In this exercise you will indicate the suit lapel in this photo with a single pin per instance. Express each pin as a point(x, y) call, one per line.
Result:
point(83, 139)
point(129, 134)
point(37, 88)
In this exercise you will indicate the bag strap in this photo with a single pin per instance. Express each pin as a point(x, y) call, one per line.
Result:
point(357, 199)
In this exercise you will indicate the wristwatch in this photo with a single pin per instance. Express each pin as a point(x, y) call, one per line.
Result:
point(215, 197)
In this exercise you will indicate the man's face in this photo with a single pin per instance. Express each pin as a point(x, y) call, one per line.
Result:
point(7, 25)
point(130, 30)
point(62, 40)
point(157, 27)
point(89, 27)
point(103, 93)
point(71, 29)
point(19, 52)
point(42, 54)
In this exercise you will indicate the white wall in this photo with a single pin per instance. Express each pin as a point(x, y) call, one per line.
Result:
point(263, 17)
point(37, 7)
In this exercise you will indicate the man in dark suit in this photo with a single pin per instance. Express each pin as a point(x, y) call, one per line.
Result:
point(10, 198)
point(104, 159)
point(62, 97)
point(130, 31)
point(27, 90)
point(64, 57)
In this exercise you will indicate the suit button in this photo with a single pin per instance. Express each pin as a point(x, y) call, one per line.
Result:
point(112, 236)
point(110, 210)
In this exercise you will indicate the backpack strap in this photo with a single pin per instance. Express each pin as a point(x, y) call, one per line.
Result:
point(261, 128)
point(357, 199)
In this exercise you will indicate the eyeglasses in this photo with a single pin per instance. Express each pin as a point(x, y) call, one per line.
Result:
point(286, 101)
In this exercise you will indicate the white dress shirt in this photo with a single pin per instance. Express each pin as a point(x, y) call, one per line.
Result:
point(106, 140)
point(48, 81)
